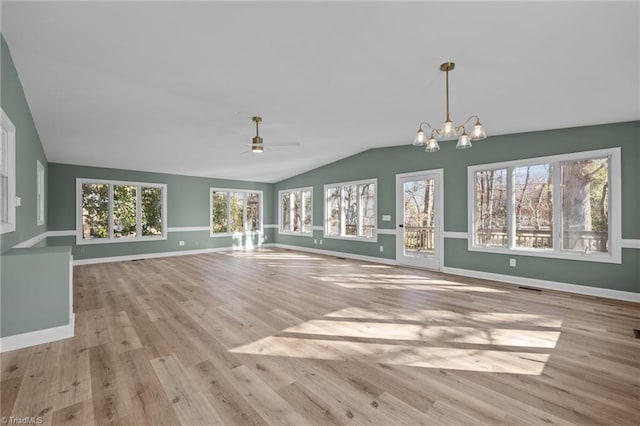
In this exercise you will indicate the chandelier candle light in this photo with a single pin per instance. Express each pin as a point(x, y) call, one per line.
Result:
point(448, 130)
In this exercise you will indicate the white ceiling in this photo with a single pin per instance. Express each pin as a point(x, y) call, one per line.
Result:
point(171, 86)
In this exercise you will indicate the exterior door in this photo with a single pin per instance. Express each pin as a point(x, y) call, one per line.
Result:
point(419, 219)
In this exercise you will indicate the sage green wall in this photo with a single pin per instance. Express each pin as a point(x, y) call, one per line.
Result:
point(187, 206)
point(28, 151)
point(35, 289)
point(385, 163)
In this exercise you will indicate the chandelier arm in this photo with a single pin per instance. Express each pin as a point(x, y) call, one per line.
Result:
point(469, 119)
point(428, 125)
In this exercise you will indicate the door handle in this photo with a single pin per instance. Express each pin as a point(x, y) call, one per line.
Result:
point(401, 226)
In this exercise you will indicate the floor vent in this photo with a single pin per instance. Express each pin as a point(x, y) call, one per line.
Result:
point(636, 333)
point(530, 288)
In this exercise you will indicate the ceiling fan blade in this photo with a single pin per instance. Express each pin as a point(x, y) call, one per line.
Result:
point(282, 143)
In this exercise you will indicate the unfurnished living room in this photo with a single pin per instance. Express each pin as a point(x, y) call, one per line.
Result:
point(315, 213)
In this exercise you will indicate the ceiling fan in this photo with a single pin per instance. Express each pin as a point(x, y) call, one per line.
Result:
point(257, 145)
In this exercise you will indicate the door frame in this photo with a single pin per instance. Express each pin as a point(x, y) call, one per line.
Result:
point(439, 222)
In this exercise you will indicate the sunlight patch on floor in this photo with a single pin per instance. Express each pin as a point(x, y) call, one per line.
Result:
point(400, 282)
point(427, 357)
point(426, 333)
point(272, 256)
point(386, 313)
point(420, 287)
point(418, 338)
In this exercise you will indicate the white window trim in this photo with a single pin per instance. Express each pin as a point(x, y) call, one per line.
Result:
point(7, 125)
point(326, 213)
point(231, 234)
point(110, 240)
point(302, 213)
point(40, 194)
point(615, 207)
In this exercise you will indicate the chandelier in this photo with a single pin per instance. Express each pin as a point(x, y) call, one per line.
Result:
point(448, 130)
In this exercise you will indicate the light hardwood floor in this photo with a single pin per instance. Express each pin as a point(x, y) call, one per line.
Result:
point(283, 337)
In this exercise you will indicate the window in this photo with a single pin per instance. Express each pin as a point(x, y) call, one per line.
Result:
point(296, 211)
point(112, 211)
point(235, 210)
point(39, 193)
point(7, 176)
point(565, 206)
point(350, 210)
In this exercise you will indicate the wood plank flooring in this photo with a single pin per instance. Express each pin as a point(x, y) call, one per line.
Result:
point(287, 338)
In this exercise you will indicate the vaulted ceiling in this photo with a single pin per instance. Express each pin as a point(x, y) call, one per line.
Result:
point(171, 86)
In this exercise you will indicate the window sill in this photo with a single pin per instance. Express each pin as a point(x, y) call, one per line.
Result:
point(614, 257)
point(296, 234)
point(361, 239)
point(82, 242)
point(234, 234)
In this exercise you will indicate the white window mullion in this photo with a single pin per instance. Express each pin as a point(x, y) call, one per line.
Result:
point(229, 211)
point(556, 203)
point(110, 224)
point(302, 211)
point(139, 211)
point(359, 212)
point(291, 211)
point(327, 212)
point(342, 215)
point(244, 212)
point(511, 211)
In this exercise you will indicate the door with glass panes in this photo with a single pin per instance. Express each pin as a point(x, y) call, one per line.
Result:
point(419, 219)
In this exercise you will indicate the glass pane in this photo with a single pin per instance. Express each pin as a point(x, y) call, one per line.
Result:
point(151, 211)
point(333, 211)
point(307, 227)
point(219, 212)
point(95, 211)
point(4, 153)
point(124, 211)
point(4, 178)
point(350, 209)
point(367, 210)
point(533, 210)
point(585, 205)
point(237, 212)
point(419, 217)
point(297, 211)
point(286, 212)
point(4, 199)
point(491, 208)
point(40, 193)
point(253, 211)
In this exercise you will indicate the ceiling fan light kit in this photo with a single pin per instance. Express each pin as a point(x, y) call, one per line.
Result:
point(256, 142)
point(448, 129)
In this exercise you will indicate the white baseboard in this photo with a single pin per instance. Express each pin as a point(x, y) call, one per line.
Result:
point(38, 337)
point(143, 256)
point(338, 254)
point(549, 285)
